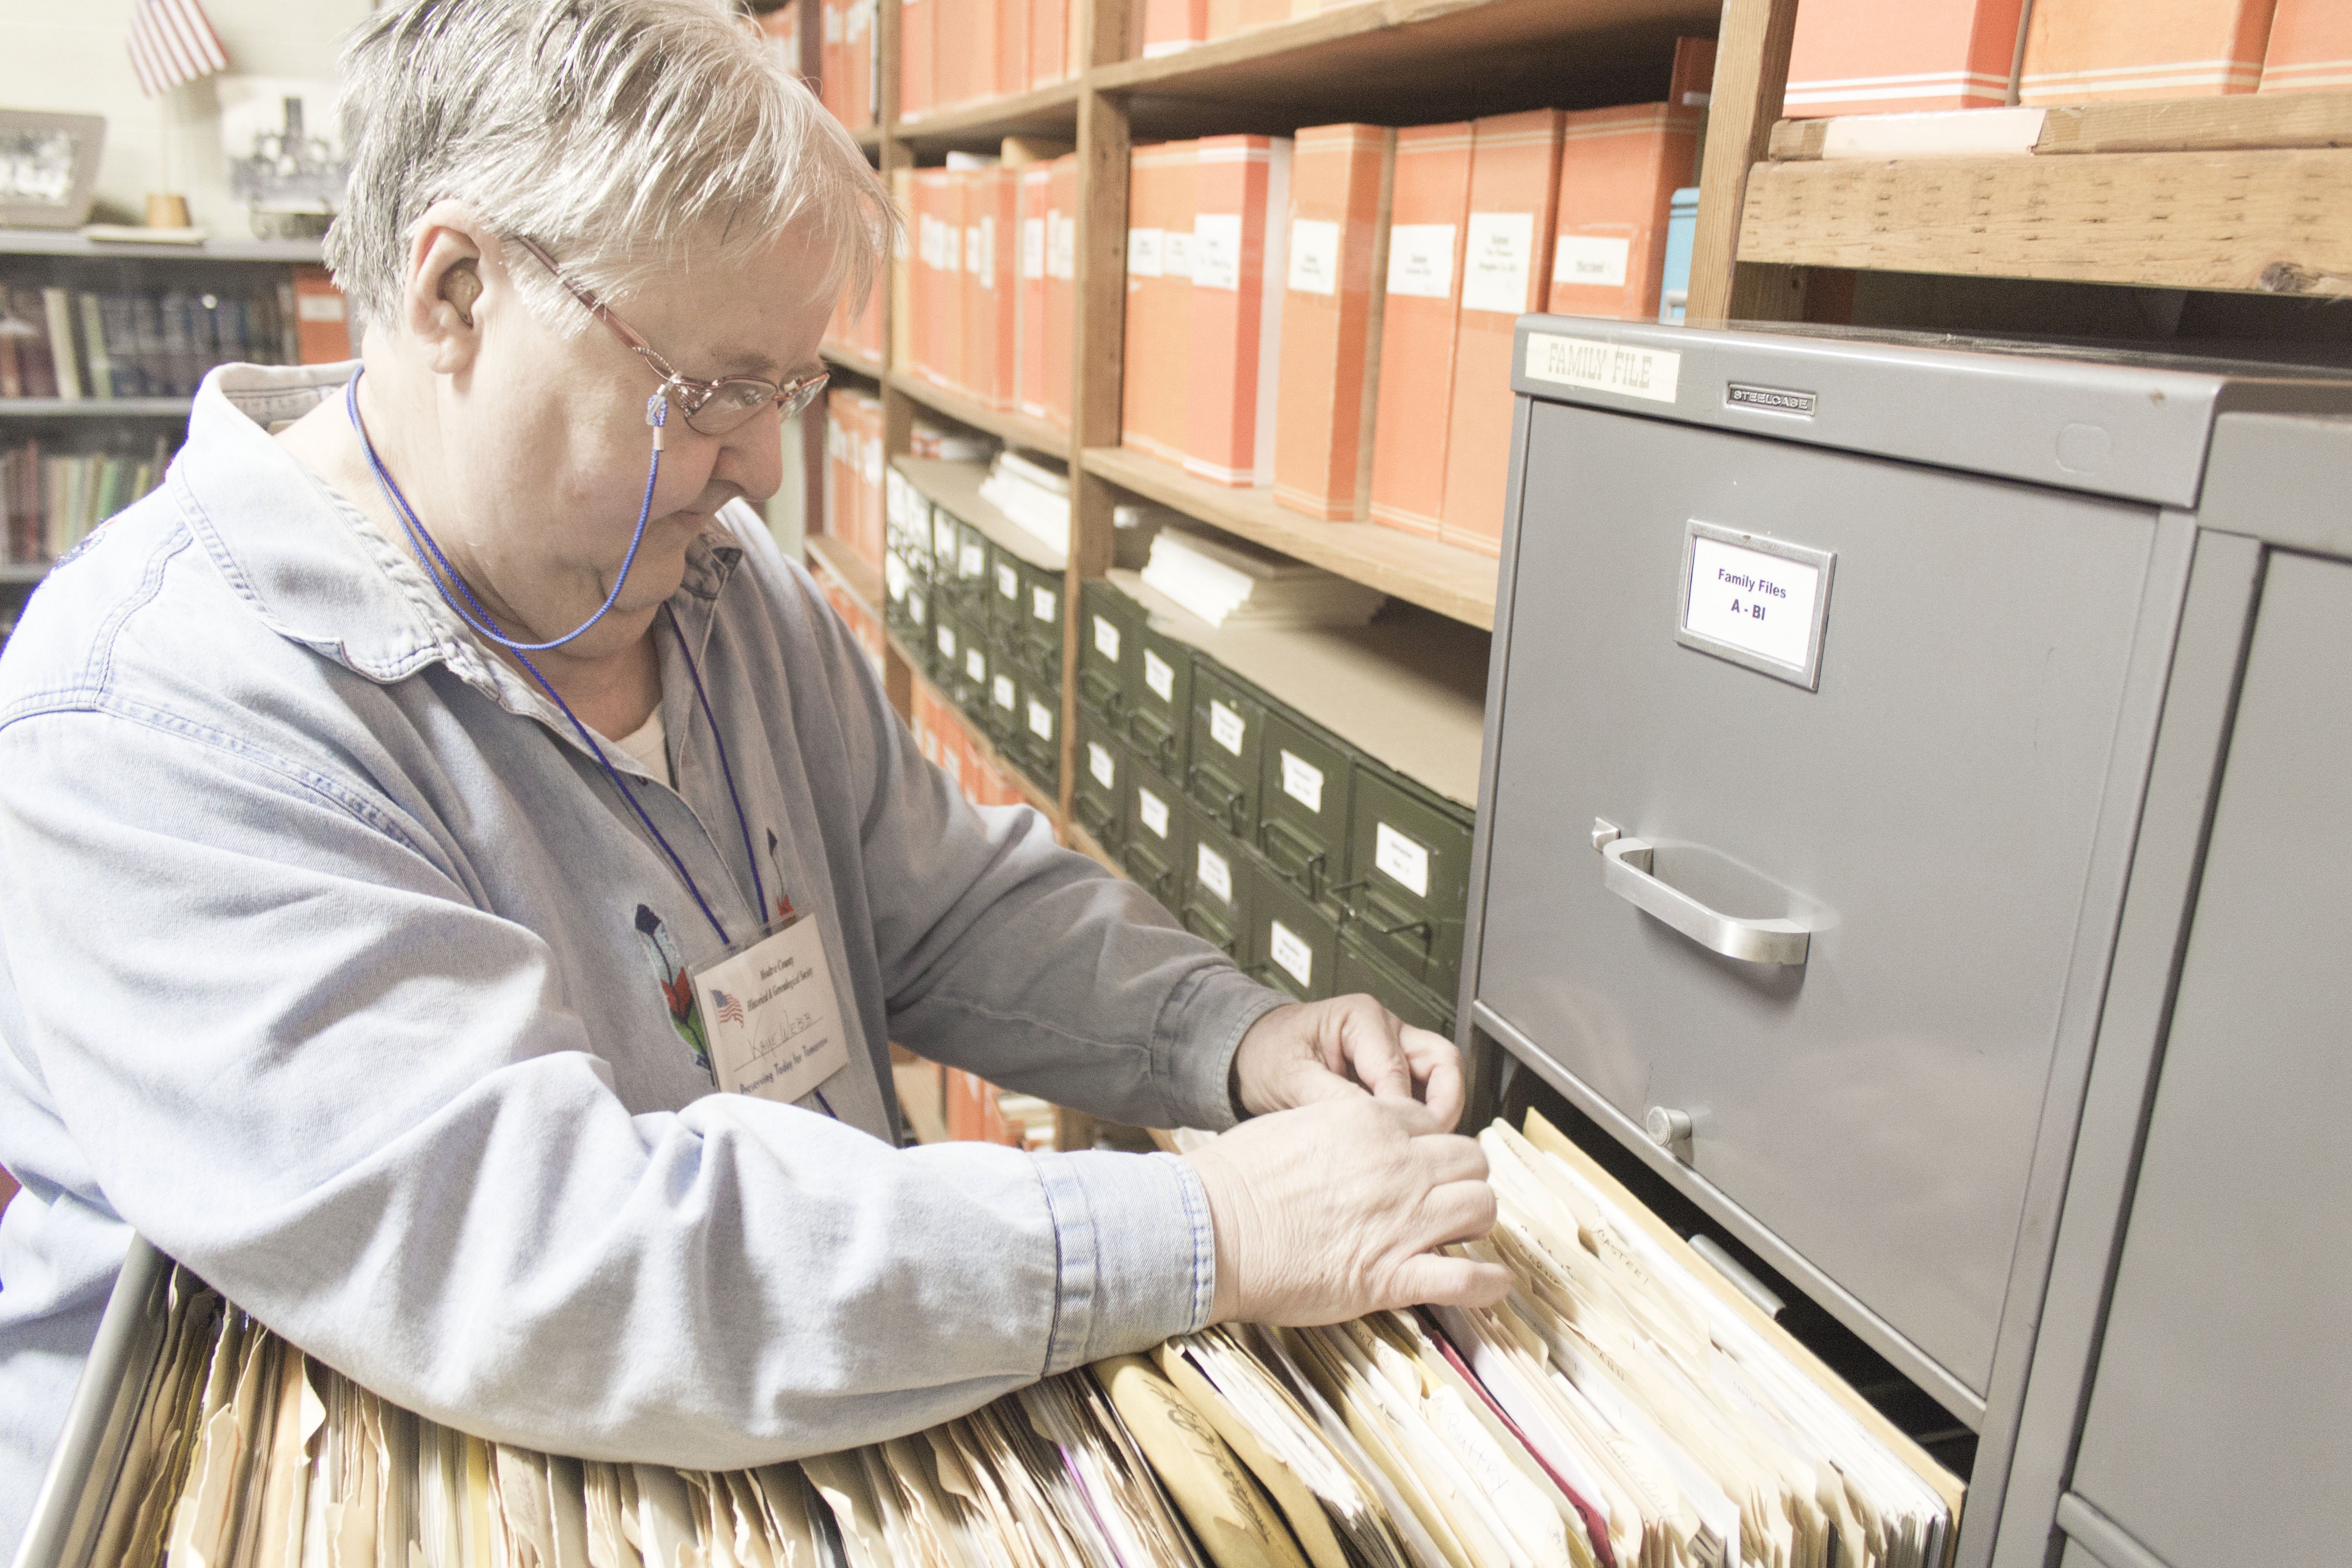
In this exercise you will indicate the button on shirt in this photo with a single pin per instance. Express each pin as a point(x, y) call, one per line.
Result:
point(330, 962)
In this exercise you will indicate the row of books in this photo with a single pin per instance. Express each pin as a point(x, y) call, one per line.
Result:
point(953, 52)
point(52, 500)
point(76, 344)
point(1863, 56)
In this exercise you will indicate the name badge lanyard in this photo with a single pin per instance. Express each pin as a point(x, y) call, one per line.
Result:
point(435, 564)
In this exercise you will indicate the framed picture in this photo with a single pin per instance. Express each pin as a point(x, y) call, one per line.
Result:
point(48, 167)
point(283, 143)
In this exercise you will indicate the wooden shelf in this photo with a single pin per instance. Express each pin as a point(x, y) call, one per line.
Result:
point(24, 571)
point(95, 407)
point(1030, 793)
point(851, 360)
point(1458, 584)
point(956, 485)
point(2235, 121)
point(1416, 61)
point(1050, 111)
point(69, 242)
point(2269, 222)
point(851, 570)
point(1014, 430)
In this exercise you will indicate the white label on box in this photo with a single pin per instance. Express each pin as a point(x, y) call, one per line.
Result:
point(1302, 780)
point(950, 247)
point(947, 640)
point(1158, 675)
point(1215, 873)
point(1061, 245)
point(1041, 720)
point(1217, 250)
point(1152, 809)
point(1100, 764)
point(893, 574)
point(1593, 258)
point(987, 268)
point(1758, 603)
point(1421, 259)
point(1603, 367)
point(972, 562)
point(1001, 690)
point(1143, 252)
point(1043, 602)
point(1225, 726)
point(1497, 262)
point(1008, 581)
point(919, 608)
point(1314, 255)
point(975, 663)
point(1292, 952)
point(1402, 859)
point(1107, 639)
point(318, 306)
point(1032, 247)
point(1176, 254)
point(943, 537)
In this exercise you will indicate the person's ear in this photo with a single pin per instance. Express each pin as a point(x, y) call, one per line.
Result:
point(440, 306)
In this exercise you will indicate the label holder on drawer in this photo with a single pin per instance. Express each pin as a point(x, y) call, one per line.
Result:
point(1758, 602)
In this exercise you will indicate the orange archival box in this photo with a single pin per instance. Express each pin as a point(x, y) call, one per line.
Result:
point(2079, 52)
point(322, 328)
point(1173, 25)
point(1866, 56)
point(1418, 320)
point(1239, 240)
point(1162, 182)
point(1619, 170)
point(1339, 181)
point(2311, 46)
point(988, 285)
point(1049, 41)
point(916, 21)
point(952, 55)
point(1012, 47)
point(1506, 258)
point(1036, 183)
point(1061, 275)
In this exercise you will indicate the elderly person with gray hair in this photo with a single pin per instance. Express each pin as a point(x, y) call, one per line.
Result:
point(462, 880)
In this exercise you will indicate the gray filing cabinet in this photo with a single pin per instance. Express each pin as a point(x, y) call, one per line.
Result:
point(1804, 855)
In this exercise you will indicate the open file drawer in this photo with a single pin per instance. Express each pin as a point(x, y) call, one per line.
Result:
point(1826, 677)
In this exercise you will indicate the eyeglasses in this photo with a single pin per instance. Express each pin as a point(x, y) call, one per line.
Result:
point(713, 408)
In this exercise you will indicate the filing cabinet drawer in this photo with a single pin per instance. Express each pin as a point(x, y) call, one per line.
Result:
point(946, 547)
point(1158, 831)
point(1408, 886)
point(1110, 649)
point(946, 645)
point(999, 706)
point(1220, 894)
point(1228, 728)
point(1037, 742)
point(1100, 801)
point(1302, 803)
point(1361, 971)
point(898, 584)
point(1036, 631)
point(908, 518)
point(969, 577)
point(1923, 817)
point(1160, 699)
point(1294, 944)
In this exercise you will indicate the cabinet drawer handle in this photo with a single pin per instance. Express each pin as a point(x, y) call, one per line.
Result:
point(1625, 871)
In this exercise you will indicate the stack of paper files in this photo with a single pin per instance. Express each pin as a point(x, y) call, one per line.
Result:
point(1229, 583)
point(1030, 494)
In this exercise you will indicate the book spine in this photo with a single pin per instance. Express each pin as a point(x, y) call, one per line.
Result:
point(57, 310)
point(93, 336)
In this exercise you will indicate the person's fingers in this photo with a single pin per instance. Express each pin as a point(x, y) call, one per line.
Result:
point(1307, 1081)
point(1409, 1116)
point(1370, 1037)
point(1458, 1211)
point(1450, 1157)
point(1441, 1086)
point(1430, 1279)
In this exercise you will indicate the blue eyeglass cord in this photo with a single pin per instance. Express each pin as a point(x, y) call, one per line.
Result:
point(428, 556)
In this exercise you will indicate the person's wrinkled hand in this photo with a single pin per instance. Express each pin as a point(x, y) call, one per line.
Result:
point(1332, 1210)
point(1309, 1051)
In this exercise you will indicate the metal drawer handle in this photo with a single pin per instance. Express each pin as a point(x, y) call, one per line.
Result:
point(1625, 871)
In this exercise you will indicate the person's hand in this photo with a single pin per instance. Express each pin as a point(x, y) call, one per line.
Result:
point(1333, 1210)
point(1311, 1051)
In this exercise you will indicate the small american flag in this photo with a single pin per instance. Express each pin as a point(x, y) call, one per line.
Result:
point(729, 1009)
point(172, 42)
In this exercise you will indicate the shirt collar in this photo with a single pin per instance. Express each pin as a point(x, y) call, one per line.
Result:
point(318, 573)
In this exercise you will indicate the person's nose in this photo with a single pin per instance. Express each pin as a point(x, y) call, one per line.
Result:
point(751, 456)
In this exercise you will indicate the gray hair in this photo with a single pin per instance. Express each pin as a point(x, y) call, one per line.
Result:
point(616, 133)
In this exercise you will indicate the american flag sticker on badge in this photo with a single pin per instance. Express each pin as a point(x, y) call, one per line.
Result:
point(729, 1009)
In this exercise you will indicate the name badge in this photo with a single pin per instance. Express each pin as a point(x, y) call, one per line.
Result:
point(771, 1016)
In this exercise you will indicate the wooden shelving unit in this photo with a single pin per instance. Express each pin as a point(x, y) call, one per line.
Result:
point(72, 242)
point(95, 407)
point(1014, 429)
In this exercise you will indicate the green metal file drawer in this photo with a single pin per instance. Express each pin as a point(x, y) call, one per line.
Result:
point(1228, 725)
point(1159, 700)
point(899, 585)
point(946, 644)
point(1006, 590)
point(1036, 737)
point(969, 577)
point(946, 536)
point(1159, 834)
point(998, 710)
point(907, 524)
point(1220, 889)
point(1100, 801)
point(1408, 875)
point(1033, 635)
point(1360, 971)
point(1295, 943)
point(1302, 803)
point(1110, 649)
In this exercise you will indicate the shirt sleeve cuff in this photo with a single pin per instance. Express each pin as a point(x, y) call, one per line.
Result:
point(1200, 1029)
point(1139, 1257)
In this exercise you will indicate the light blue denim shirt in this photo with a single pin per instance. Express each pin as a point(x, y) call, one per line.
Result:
point(335, 966)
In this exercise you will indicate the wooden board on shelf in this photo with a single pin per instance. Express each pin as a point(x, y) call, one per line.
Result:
point(224, 247)
point(853, 571)
point(956, 485)
point(2259, 222)
point(1458, 584)
point(854, 361)
point(2230, 123)
point(1410, 691)
point(985, 748)
point(1051, 111)
point(1014, 429)
point(95, 407)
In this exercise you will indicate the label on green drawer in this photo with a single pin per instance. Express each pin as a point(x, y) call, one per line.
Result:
point(1153, 810)
point(1227, 727)
point(1100, 764)
point(1044, 602)
point(1401, 858)
point(1041, 720)
point(1302, 780)
point(1160, 675)
point(999, 691)
point(1107, 639)
point(1292, 953)
point(1215, 873)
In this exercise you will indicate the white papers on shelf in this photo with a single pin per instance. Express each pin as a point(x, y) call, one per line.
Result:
point(1231, 583)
